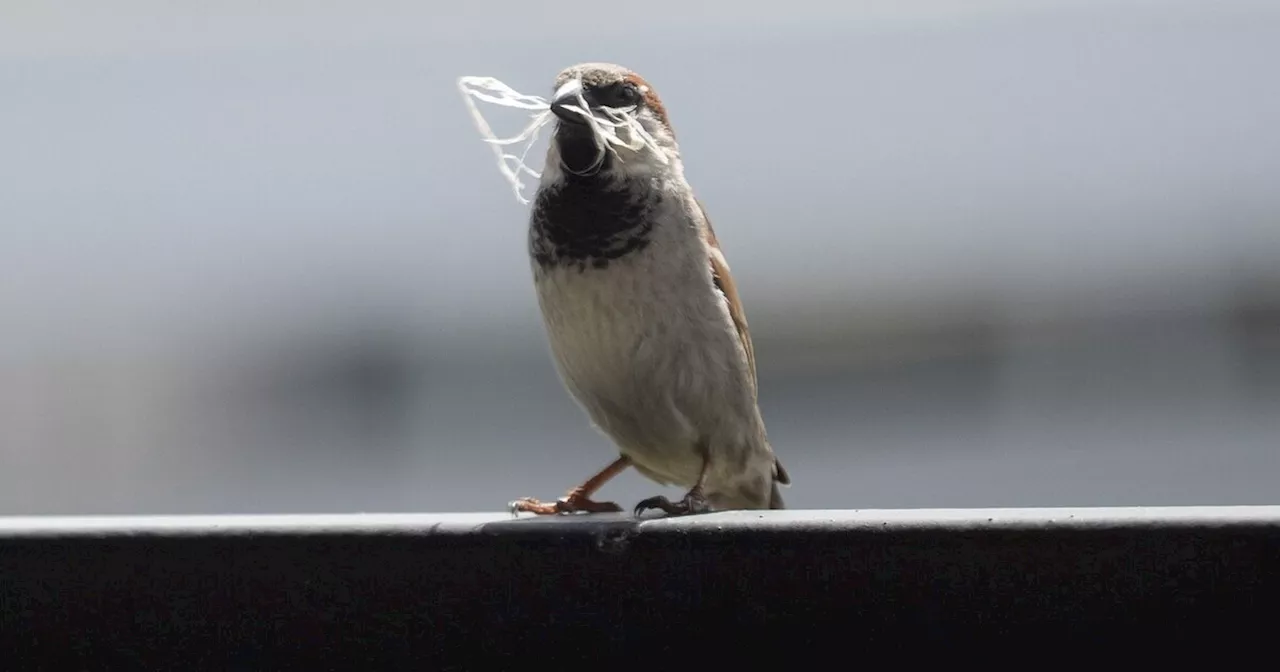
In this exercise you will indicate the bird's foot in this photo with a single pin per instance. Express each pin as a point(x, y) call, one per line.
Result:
point(574, 502)
point(693, 502)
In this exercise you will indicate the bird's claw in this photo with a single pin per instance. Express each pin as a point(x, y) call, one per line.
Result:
point(514, 506)
point(692, 503)
point(571, 503)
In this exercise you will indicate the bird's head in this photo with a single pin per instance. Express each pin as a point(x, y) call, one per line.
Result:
point(625, 105)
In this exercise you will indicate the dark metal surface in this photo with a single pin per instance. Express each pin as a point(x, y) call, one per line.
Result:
point(450, 590)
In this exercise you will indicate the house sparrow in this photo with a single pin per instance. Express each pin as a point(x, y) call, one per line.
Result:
point(644, 321)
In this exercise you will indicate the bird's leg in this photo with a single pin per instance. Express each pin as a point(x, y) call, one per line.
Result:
point(693, 501)
point(579, 498)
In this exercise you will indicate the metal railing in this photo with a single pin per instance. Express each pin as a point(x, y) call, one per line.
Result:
point(374, 592)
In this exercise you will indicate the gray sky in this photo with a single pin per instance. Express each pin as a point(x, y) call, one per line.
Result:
point(169, 169)
point(211, 214)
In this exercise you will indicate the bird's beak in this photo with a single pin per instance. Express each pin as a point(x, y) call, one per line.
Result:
point(570, 94)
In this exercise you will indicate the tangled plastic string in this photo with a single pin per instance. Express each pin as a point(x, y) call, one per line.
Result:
point(606, 123)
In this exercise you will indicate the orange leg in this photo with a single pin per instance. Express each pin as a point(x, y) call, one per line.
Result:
point(579, 498)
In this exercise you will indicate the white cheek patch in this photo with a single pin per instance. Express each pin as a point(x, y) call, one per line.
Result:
point(605, 125)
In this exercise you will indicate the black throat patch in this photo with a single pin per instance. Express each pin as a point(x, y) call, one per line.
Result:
point(589, 222)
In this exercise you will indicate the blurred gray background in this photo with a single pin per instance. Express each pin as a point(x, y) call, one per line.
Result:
point(254, 257)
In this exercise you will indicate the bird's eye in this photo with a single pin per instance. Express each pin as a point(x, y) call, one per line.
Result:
point(622, 94)
point(629, 94)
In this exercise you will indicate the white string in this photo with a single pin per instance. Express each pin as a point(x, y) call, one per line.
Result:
point(510, 165)
point(605, 130)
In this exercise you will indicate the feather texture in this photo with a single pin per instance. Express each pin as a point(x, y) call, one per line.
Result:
point(724, 282)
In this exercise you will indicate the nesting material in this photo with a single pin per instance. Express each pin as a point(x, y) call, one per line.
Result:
point(613, 127)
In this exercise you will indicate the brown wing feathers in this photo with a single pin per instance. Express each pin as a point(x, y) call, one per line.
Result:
point(724, 282)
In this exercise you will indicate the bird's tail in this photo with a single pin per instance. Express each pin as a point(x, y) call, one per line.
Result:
point(775, 497)
point(780, 477)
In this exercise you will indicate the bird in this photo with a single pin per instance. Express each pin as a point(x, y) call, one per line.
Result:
point(645, 324)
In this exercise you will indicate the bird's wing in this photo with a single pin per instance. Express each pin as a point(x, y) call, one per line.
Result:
point(724, 282)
